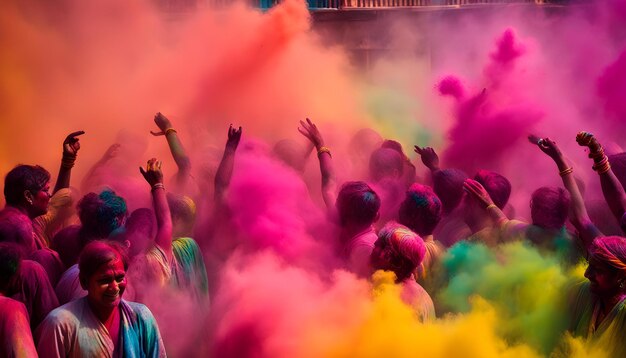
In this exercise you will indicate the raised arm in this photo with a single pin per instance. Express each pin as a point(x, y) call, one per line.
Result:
point(474, 188)
point(329, 184)
point(611, 187)
point(578, 212)
point(109, 154)
point(429, 158)
point(225, 170)
point(154, 177)
point(176, 148)
point(71, 145)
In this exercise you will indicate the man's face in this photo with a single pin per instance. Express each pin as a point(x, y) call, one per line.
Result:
point(106, 286)
point(604, 279)
point(40, 200)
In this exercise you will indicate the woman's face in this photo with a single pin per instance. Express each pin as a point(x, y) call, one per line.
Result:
point(604, 279)
point(106, 286)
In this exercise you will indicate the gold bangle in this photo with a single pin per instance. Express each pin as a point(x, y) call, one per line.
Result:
point(491, 206)
point(170, 130)
point(566, 171)
point(324, 150)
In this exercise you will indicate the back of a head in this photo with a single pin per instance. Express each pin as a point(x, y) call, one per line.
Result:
point(386, 163)
point(182, 208)
point(549, 207)
point(21, 178)
point(100, 214)
point(357, 203)
point(421, 210)
point(10, 259)
point(398, 249)
point(98, 253)
point(291, 153)
point(393, 144)
point(498, 187)
point(448, 185)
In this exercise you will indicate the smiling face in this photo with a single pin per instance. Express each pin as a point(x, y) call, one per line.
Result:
point(106, 286)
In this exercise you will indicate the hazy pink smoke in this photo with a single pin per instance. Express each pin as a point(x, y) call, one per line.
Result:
point(490, 123)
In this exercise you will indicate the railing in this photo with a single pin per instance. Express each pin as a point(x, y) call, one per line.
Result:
point(359, 4)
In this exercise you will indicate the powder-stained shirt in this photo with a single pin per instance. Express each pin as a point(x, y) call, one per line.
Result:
point(358, 251)
point(16, 339)
point(73, 330)
point(609, 334)
point(186, 272)
point(415, 296)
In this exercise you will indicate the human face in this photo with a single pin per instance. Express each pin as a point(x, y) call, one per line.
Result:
point(106, 286)
point(604, 279)
point(40, 201)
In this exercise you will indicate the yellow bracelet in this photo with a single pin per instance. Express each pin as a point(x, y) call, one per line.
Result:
point(566, 171)
point(491, 206)
point(170, 130)
point(324, 150)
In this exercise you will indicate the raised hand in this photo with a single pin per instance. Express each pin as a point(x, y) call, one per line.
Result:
point(152, 173)
point(163, 123)
point(429, 157)
point(549, 147)
point(234, 136)
point(111, 152)
point(309, 130)
point(476, 189)
point(586, 139)
point(71, 144)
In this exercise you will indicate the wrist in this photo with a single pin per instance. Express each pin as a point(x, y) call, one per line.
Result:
point(157, 186)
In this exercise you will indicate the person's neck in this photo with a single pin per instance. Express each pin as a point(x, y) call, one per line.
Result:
point(479, 223)
point(608, 303)
point(104, 314)
point(349, 231)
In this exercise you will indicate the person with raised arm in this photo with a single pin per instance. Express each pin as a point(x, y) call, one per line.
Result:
point(448, 185)
point(579, 217)
point(176, 148)
point(225, 170)
point(329, 185)
point(611, 187)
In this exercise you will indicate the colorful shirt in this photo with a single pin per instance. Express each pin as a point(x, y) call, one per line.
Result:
point(609, 334)
point(73, 330)
point(186, 272)
point(358, 251)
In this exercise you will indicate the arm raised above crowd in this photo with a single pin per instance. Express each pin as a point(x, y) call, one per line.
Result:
point(329, 184)
point(225, 170)
point(578, 213)
point(176, 148)
point(71, 146)
point(611, 187)
point(429, 157)
point(154, 177)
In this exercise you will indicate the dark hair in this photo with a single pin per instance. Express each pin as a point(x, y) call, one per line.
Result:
point(383, 163)
point(448, 185)
point(98, 253)
point(100, 214)
point(395, 145)
point(549, 207)
point(21, 178)
point(358, 203)
point(421, 209)
point(498, 187)
point(10, 260)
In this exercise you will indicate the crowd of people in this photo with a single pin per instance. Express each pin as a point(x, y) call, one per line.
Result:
point(76, 273)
